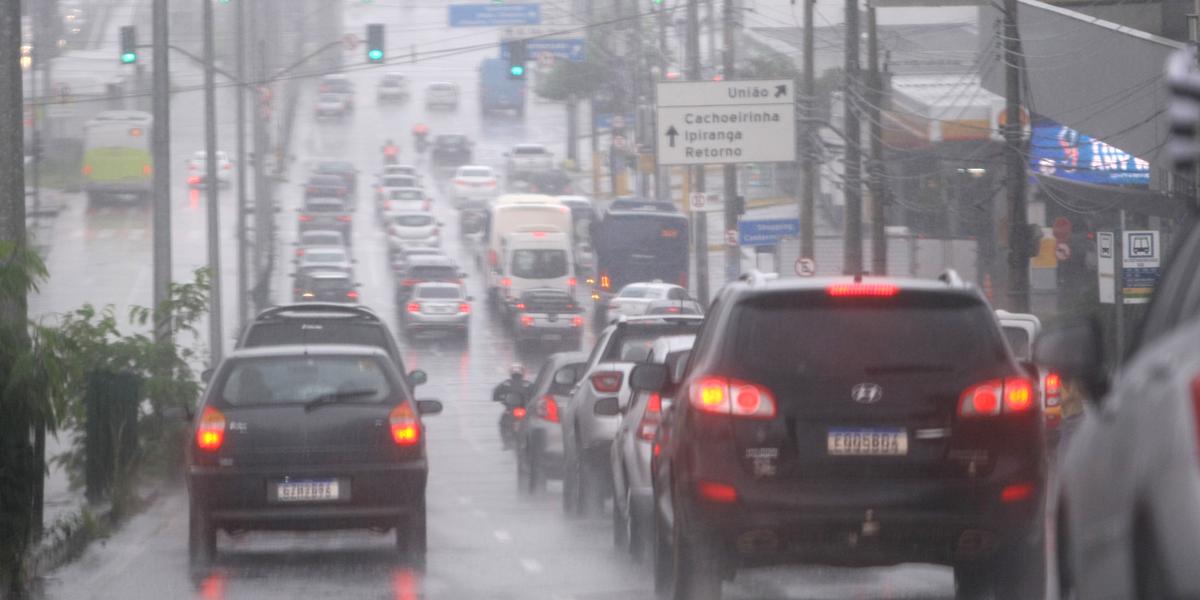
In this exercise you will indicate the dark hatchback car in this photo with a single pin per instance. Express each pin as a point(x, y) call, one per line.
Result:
point(308, 438)
point(321, 285)
point(342, 168)
point(329, 185)
point(451, 150)
point(423, 269)
point(849, 422)
point(322, 212)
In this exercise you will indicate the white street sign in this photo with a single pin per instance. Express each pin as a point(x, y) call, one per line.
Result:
point(697, 200)
point(731, 238)
point(1062, 251)
point(1106, 266)
point(806, 267)
point(723, 122)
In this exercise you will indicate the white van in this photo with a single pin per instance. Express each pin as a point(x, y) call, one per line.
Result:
point(510, 213)
point(535, 257)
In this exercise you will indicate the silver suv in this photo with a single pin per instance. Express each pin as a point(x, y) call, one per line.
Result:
point(591, 418)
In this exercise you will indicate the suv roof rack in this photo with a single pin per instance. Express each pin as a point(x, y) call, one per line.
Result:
point(951, 278)
point(276, 312)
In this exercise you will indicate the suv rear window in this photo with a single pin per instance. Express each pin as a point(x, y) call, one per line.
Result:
point(302, 379)
point(312, 331)
point(817, 337)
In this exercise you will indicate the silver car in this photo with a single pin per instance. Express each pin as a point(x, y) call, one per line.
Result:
point(539, 435)
point(591, 418)
point(437, 306)
point(325, 258)
point(1128, 508)
point(632, 449)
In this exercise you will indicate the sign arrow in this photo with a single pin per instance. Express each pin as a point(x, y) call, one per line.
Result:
point(671, 133)
point(780, 90)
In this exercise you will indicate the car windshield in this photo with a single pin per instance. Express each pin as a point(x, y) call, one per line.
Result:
point(474, 172)
point(303, 379)
point(325, 256)
point(406, 195)
point(539, 264)
point(438, 292)
point(399, 181)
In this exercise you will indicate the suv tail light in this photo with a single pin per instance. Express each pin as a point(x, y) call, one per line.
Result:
point(353, 295)
point(305, 218)
point(210, 433)
point(1053, 389)
point(464, 308)
point(414, 307)
point(344, 218)
point(406, 431)
point(547, 409)
point(863, 290)
point(727, 396)
point(722, 493)
point(577, 321)
point(650, 418)
point(1013, 395)
point(527, 320)
point(607, 381)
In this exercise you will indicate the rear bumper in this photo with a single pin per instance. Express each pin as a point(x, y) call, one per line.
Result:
point(546, 333)
point(374, 495)
point(458, 322)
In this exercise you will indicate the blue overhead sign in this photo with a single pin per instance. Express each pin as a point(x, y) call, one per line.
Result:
point(610, 121)
point(491, 15)
point(767, 232)
point(565, 48)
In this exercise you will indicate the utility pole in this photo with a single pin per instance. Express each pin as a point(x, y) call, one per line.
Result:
point(853, 154)
point(595, 131)
point(699, 219)
point(733, 254)
point(1018, 231)
point(161, 143)
point(262, 190)
point(215, 341)
point(242, 275)
point(662, 175)
point(712, 33)
point(875, 171)
point(808, 155)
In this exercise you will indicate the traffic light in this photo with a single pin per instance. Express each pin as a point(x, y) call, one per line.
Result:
point(128, 45)
point(518, 54)
point(375, 42)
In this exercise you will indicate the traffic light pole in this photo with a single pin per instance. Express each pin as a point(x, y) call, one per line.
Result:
point(211, 188)
point(699, 219)
point(161, 145)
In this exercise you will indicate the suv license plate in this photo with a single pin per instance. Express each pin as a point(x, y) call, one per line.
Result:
point(307, 491)
point(867, 442)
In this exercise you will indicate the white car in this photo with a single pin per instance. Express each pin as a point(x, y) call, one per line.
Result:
point(529, 157)
point(405, 229)
point(393, 87)
point(408, 170)
point(405, 199)
point(473, 183)
point(442, 94)
point(635, 298)
point(197, 168)
point(331, 105)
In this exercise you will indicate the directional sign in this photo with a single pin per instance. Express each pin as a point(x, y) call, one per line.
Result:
point(723, 122)
point(610, 121)
point(767, 232)
point(565, 48)
point(1141, 259)
point(490, 15)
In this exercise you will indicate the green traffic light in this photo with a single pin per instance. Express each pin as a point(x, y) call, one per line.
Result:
point(375, 54)
point(517, 70)
point(129, 57)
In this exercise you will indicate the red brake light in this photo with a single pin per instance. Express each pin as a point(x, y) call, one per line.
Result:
point(571, 281)
point(491, 183)
point(860, 290)
point(464, 308)
point(312, 189)
point(406, 431)
point(725, 396)
point(547, 409)
point(520, 306)
point(506, 282)
point(87, 169)
point(990, 398)
point(305, 218)
point(716, 492)
point(577, 321)
point(650, 418)
point(519, 412)
point(527, 320)
point(210, 433)
point(353, 295)
point(414, 307)
point(460, 181)
point(344, 218)
point(607, 381)
point(1016, 492)
point(1053, 389)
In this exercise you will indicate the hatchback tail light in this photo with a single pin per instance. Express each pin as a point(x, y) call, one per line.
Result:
point(344, 218)
point(607, 381)
point(650, 418)
point(406, 430)
point(1053, 389)
point(464, 308)
point(353, 295)
point(527, 320)
point(460, 181)
point(727, 396)
point(519, 412)
point(577, 321)
point(520, 306)
point(1013, 395)
point(722, 493)
point(547, 409)
point(414, 307)
point(506, 282)
point(299, 251)
point(305, 218)
point(409, 282)
point(210, 433)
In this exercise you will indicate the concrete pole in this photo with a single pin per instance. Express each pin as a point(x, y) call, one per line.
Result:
point(243, 278)
point(699, 220)
point(1018, 231)
point(212, 188)
point(852, 158)
point(808, 159)
point(161, 145)
point(733, 254)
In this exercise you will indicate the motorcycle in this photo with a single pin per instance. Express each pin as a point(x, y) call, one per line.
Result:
point(391, 156)
point(421, 141)
point(514, 412)
point(470, 221)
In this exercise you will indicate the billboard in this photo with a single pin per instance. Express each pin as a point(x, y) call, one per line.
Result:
point(1060, 151)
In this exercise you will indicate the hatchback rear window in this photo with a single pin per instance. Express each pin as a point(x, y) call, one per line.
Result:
point(528, 150)
point(414, 220)
point(438, 292)
point(399, 181)
point(303, 379)
point(475, 173)
point(445, 273)
point(817, 337)
point(311, 331)
point(406, 195)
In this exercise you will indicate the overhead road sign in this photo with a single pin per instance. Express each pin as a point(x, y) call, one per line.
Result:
point(767, 232)
point(491, 15)
point(724, 122)
point(565, 48)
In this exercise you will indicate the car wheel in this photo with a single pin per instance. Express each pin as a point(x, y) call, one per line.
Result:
point(695, 567)
point(620, 527)
point(638, 538)
point(411, 536)
point(662, 558)
point(572, 504)
point(202, 536)
point(1149, 575)
point(537, 475)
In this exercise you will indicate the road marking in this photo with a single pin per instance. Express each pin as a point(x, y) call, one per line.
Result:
point(531, 565)
point(502, 536)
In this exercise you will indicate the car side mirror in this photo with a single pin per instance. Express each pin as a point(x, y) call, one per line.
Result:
point(429, 407)
point(417, 377)
point(566, 376)
point(206, 375)
point(1075, 350)
point(649, 377)
point(606, 407)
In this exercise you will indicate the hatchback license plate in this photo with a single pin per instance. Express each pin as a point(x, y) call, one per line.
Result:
point(867, 442)
point(307, 491)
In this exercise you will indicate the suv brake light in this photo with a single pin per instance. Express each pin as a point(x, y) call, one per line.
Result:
point(547, 409)
point(210, 434)
point(863, 290)
point(650, 418)
point(607, 381)
point(1012, 395)
point(406, 431)
point(414, 307)
point(1053, 389)
point(727, 396)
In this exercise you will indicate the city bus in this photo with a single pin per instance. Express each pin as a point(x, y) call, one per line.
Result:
point(116, 155)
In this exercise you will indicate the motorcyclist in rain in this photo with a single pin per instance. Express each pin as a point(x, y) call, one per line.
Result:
point(420, 137)
point(513, 393)
point(391, 152)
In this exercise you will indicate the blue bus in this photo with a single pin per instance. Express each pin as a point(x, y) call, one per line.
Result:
point(639, 240)
point(497, 91)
